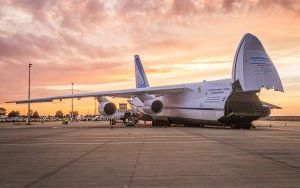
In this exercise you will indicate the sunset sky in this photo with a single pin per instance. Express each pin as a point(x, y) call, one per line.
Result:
point(92, 43)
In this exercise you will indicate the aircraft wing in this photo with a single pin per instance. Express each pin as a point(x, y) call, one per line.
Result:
point(117, 93)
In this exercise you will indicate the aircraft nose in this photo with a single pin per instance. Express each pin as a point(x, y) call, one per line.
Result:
point(252, 66)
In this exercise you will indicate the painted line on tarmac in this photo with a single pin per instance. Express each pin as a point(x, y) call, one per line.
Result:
point(137, 137)
point(112, 143)
point(275, 142)
point(147, 137)
point(174, 136)
point(73, 138)
point(297, 130)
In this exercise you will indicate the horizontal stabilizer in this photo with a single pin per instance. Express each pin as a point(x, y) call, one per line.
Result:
point(270, 106)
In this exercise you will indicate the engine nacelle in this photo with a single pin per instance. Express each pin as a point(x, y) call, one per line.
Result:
point(153, 107)
point(107, 108)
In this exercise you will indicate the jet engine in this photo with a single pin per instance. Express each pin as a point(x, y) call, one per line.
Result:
point(153, 106)
point(106, 108)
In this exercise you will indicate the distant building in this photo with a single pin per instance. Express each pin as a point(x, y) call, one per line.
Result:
point(3, 117)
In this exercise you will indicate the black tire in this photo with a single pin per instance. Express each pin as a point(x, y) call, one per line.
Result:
point(158, 123)
point(247, 126)
point(154, 123)
point(168, 123)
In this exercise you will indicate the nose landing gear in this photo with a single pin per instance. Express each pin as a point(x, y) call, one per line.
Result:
point(161, 123)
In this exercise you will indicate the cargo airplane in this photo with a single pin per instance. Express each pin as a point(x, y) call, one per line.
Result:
point(227, 102)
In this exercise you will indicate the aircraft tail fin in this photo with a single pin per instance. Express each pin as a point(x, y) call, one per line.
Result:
point(140, 76)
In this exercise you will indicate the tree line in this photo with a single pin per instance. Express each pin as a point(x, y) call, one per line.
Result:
point(35, 114)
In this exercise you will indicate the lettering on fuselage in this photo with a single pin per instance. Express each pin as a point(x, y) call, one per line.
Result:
point(214, 91)
point(213, 99)
point(216, 95)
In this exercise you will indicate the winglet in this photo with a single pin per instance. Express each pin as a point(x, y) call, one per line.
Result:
point(140, 76)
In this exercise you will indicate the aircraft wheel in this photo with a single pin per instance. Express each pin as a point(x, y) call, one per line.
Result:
point(247, 126)
point(153, 123)
point(168, 123)
point(157, 123)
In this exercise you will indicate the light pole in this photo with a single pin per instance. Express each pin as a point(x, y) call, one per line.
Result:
point(28, 114)
point(72, 112)
point(95, 107)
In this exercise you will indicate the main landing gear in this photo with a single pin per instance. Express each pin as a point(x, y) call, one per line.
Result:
point(112, 121)
point(241, 125)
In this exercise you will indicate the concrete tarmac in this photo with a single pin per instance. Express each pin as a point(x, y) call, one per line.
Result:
point(87, 154)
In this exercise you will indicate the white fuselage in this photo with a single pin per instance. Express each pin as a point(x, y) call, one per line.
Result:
point(200, 101)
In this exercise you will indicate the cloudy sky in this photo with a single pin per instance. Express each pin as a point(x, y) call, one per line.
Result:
point(92, 43)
